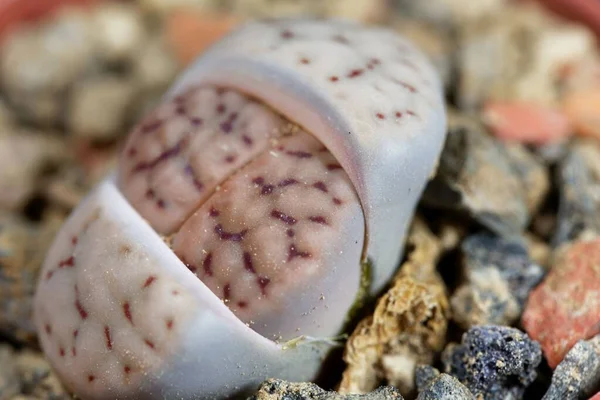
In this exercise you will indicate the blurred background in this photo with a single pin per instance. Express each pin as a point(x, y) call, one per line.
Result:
point(75, 76)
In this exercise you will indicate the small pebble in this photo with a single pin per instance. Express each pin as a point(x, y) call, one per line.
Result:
point(564, 308)
point(484, 299)
point(118, 31)
point(526, 122)
point(435, 386)
point(476, 176)
point(509, 257)
point(534, 175)
point(24, 158)
point(38, 65)
point(578, 374)
point(408, 326)
point(581, 107)
point(154, 65)
point(275, 389)
point(496, 362)
point(37, 378)
point(190, 32)
point(99, 108)
point(9, 380)
point(578, 179)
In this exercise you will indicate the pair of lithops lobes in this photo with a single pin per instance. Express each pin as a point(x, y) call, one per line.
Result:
point(283, 159)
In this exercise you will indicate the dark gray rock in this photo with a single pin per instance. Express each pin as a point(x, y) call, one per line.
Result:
point(496, 362)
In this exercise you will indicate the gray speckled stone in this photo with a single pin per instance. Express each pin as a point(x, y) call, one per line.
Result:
point(476, 177)
point(509, 257)
point(275, 389)
point(578, 375)
point(435, 386)
point(579, 183)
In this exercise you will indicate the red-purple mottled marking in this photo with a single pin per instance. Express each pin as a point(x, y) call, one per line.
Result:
point(127, 369)
point(286, 34)
point(234, 237)
point(331, 167)
point(411, 113)
point(82, 312)
point(73, 351)
point(290, 233)
point(91, 378)
point(356, 72)
point(267, 189)
point(49, 275)
point(242, 304)
point(283, 217)
point(226, 127)
point(287, 182)
point(304, 61)
point(69, 262)
point(380, 116)
point(127, 312)
point(258, 181)
point(248, 264)
point(410, 88)
point(321, 186)
point(263, 282)
point(230, 158)
point(293, 253)
point(61, 351)
point(247, 140)
point(214, 212)
point(149, 281)
point(151, 344)
point(398, 114)
point(337, 201)
point(340, 39)
point(196, 121)
point(299, 154)
point(48, 329)
point(75, 333)
point(108, 337)
point(189, 171)
point(151, 126)
point(318, 219)
point(74, 240)
point(169, 324)
point(207, 264)
point(227, 291)
point(165, 155)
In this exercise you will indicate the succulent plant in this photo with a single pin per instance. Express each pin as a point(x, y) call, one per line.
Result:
point(227, 247)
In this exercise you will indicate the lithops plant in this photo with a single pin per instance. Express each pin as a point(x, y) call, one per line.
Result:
point(228, 245)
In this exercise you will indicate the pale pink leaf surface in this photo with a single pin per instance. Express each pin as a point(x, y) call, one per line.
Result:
point(280, 242)
point(178, 154)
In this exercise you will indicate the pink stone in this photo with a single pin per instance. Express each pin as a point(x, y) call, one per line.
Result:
point(565, 307)
point(526, 122)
